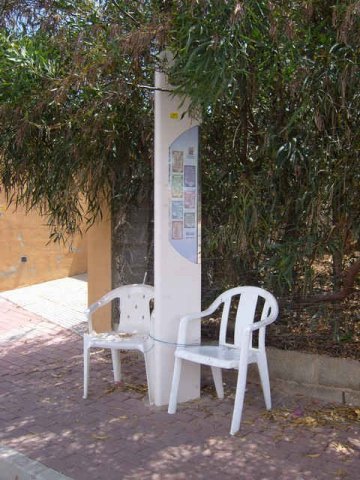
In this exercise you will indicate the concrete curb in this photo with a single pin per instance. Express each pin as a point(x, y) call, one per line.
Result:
point(318, 376)
point(16, 466)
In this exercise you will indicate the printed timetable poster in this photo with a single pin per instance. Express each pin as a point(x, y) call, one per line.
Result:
point(184, 228)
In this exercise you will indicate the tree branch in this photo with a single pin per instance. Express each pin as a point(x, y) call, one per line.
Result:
point(348, 287)
point(125, 13)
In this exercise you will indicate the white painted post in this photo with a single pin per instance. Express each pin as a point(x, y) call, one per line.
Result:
point(177, 279)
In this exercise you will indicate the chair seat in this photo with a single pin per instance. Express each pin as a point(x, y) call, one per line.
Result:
point(118, 340)
point(213, 355)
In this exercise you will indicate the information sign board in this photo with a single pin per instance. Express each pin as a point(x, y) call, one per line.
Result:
point(184, 218)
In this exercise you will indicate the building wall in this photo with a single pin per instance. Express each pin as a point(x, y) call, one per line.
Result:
point(26, 257)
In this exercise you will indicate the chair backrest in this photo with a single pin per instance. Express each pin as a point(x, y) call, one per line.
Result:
point(251, 302)
point(134, 307)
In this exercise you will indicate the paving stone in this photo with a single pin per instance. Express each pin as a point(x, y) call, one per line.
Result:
point(117, 435)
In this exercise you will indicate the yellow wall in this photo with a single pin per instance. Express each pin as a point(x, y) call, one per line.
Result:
point(25, 256)
point(99, 269)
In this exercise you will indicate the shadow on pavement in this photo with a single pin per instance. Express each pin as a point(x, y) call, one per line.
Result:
point(116, 435)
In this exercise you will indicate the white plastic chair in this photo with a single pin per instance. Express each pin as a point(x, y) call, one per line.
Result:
point(132, 330)
point(235, 355)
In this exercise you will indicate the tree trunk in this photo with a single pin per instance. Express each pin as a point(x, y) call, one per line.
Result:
point(337, 261)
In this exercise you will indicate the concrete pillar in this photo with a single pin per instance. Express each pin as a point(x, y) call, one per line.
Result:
point(99, 268)
point(177, 256)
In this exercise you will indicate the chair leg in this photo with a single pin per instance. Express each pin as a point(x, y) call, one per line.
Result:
point(217, 376)
point(86, 369)
point(148, 379)
point(239, 398)
point(115, 356)
point(175, 386)
point(264, 378)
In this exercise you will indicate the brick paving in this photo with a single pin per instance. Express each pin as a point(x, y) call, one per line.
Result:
point(114, 434)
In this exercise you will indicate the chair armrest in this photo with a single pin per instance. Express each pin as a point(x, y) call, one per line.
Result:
point(100, 303)
point(263, 323)
point(88, 312)
point(93, 307)
point(274, 312)
point(184, 321)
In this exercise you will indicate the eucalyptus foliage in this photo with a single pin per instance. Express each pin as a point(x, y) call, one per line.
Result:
point(277, 85)
point(75, 129)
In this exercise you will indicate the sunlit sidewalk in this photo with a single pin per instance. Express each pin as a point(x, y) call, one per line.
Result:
point(61, 301)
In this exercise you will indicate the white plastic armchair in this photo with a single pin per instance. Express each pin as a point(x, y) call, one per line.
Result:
point(131, 332)
point(237, 355)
